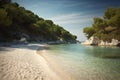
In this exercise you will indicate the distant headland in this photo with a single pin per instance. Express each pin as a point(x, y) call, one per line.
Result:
point(106, 30)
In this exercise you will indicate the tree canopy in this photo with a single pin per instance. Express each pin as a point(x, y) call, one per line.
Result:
point(15, 20)
point(106, 28)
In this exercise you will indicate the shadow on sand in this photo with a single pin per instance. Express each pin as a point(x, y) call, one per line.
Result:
point(31, 46)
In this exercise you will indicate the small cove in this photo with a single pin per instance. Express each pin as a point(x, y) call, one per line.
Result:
point(86, 62)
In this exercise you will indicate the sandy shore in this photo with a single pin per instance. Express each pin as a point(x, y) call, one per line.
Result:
point(55, 66)
point(20, 62)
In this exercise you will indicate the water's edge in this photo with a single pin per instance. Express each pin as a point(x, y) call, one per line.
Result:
point(53, 65)
point(83, 62)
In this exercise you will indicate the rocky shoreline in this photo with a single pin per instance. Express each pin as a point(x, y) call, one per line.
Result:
point(96, 41)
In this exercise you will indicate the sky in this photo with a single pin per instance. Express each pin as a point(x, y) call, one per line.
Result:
point(72, 15)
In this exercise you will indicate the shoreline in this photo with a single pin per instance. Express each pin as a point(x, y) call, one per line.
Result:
point(54, 66)
point(97, 42)
point(21, 62)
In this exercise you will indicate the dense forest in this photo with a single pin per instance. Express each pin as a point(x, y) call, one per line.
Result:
point(17, 22)
point(106, 28)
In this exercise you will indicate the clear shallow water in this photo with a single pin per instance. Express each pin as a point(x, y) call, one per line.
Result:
point(87, 62)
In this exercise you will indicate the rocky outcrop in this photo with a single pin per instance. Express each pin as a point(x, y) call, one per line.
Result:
point(114, 42)
point(97, 41)
point(91, 41)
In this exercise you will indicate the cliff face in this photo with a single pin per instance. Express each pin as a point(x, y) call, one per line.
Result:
point(96, 41)
point(92, 41)
point(114, 42)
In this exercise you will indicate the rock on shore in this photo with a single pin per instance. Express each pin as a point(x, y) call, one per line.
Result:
point(96, 41)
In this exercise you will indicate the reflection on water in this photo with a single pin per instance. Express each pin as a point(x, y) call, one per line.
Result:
point(104, 52)
point(88, 62)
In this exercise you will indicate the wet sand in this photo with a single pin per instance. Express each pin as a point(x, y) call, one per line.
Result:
point(55, 66)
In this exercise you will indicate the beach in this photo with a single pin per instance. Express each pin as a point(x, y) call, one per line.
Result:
point(55, 66)
point(81, 62)
point(20, 62)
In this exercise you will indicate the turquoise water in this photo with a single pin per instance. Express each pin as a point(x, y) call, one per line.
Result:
point(87, 62)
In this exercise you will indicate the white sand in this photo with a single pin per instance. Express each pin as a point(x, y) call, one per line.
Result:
point(22, 63)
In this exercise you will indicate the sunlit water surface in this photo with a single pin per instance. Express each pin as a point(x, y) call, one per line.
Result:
point(87, 62)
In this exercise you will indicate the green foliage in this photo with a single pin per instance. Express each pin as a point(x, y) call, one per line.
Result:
point(99, 24)
point(4, 18)
point(115, 21)
point(110, 28)
point(109, 13)
point(16, 20)
point(89, 31)
point(49, 22)
point(106, 28)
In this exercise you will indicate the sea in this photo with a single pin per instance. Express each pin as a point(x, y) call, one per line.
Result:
point(87, 62)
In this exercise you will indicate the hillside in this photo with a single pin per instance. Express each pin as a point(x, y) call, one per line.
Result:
point(106, 28)
point(16, 22)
